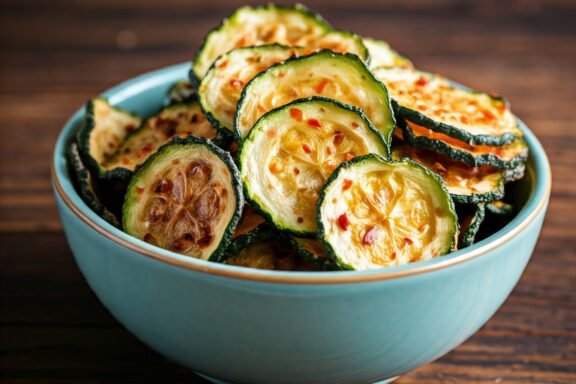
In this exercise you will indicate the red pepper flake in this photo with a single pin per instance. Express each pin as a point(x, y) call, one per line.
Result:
point(129, 128)
point(463, 119)
point(329, 150)
point(488, 115)
point(322, 85)
point(296, 114)
point(422, 81)
point(223, 64)
point(235, 83)
point(343, 222)
point(338, 138)
point(233, 147)
point(349, 156)
point(346, 184)
point(230, 112)
point(125, 161)
point(314, 123)
point(306, 148)
point(355, 124)
point(147, 148)
point(370, 235)
point(296, 171)
point(300, 220)
point(408, 241)
point(260, 109)
point(272, 133)
point(139, 190)
point(393, 256)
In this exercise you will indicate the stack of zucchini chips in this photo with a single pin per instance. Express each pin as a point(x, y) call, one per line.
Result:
point(297, 146)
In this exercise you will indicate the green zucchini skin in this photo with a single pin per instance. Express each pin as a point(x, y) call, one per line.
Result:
point(247, 152)
point(322, 235)
point(155, 131)
point(446, 167)
point(421, 118)
point(182, 143)
point(233, 58)
point(263, 232)
point(471, 218)
point(320, 260)
point(82, 180)
point(197, 71)
point(83, 139)
point(182, 91)
point(382, 55)
point(461, 155)
point(389, 121)
point(498, 215)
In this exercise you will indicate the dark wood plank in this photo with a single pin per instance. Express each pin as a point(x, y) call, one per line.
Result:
point(57, 54)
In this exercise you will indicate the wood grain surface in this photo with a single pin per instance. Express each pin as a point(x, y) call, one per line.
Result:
point(54, 55)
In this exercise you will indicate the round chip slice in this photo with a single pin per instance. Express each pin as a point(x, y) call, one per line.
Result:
point(291, 152)
point(176, 120)
point(466, 184)
point(258, 25)
point(382, 55)
point(342, 77)
point(510, 156)
point(105, 129)
point(437, 103)
point(374, 213)
point(186, 198)
point(220, 89)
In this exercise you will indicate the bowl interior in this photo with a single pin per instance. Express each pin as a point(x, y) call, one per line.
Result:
point(145, 95)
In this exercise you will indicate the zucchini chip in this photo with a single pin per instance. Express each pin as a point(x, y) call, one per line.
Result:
point(382, 55)
point(249, 221)
point(268, 254)
point(342, 42)
point(312, 251)
point(181, 92)
point(438, 104)
point(184, 119)
point(104, 131)
point(374, 213)
point(498, 215)
point(291, 151)
point(500, 208)
point(186, 198)
point(262, 233)
point(269, 24)
point(510, 156)
point(82, 180)
point(470, 220)
point(342, 77)
point(220, 89)
point(465, 184)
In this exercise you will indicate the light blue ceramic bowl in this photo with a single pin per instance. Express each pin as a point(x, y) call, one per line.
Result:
point(250, 326)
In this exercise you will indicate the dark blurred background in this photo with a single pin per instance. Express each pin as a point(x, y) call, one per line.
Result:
point(54, 55)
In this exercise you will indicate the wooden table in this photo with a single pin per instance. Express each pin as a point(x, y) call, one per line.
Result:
point(55, 55)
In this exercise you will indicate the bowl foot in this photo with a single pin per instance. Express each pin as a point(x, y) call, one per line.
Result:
point(217, 381)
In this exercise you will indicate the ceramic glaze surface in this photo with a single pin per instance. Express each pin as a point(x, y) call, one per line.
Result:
point(247, 331)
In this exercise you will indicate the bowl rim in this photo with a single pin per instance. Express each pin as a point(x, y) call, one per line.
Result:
point(537, 201)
